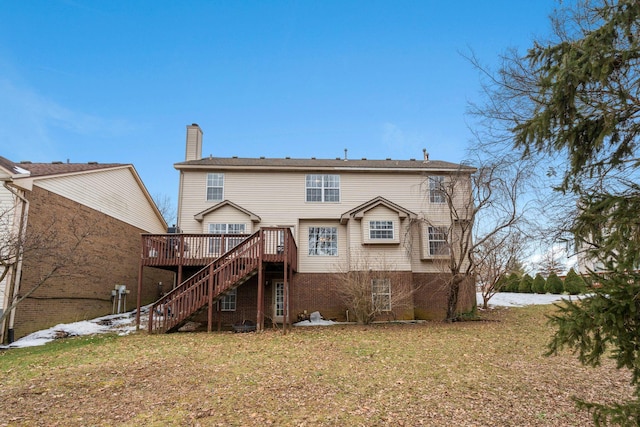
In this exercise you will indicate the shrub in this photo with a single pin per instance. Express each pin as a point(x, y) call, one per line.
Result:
point(554, 284)
point(574, 284)
point(539, 284)
point(525, 284)
point(513, 283)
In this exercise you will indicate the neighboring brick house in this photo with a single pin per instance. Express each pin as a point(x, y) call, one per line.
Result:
point(51, 205)
point(387, 216)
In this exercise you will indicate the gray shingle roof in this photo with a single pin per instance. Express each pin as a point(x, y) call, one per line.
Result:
point(55, 168)
point(310, 164)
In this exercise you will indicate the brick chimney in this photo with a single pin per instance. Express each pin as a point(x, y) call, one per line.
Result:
point(194, 142)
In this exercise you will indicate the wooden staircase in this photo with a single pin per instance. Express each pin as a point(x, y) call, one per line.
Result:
point(226, 273)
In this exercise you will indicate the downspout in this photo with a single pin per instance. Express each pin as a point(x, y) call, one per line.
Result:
point(14, 288)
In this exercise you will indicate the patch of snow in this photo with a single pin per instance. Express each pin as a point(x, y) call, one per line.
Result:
point(122, 324)
point(125, 323)
point(513, 299)
point(315, 319)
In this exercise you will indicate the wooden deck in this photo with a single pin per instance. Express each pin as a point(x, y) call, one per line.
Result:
point(223, 270)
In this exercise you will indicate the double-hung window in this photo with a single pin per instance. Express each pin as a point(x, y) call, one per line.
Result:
point(215, 186)
point(323, 241)
point(215, 243)
point(228, 302)
point(381, 230)
point(436, 189)
point(438, 244)
point(381, 294)
point(323, 188)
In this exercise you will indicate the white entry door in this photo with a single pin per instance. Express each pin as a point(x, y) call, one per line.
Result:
point(278, 302)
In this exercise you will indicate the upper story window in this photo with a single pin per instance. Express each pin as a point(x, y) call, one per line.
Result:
point(323, 241)
point(381, 230)
point(436, 189)
point(438, 244)
point(215, 186)
point(323, 188)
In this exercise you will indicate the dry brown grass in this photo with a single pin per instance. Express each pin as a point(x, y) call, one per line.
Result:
point(488, 373)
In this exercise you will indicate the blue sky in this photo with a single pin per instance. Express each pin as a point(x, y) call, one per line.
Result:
point(118, 80)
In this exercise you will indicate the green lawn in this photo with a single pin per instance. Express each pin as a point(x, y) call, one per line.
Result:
point(483, 373)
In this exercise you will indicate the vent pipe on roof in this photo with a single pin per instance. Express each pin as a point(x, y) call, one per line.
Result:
point(345, 154)
point(426, 155)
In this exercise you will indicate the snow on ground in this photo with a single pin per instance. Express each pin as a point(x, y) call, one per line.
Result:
point(510, 299)
point(125, 323)
point(121, 324)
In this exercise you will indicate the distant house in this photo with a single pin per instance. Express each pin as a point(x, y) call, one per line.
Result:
point(46, 209)
point(268, 240)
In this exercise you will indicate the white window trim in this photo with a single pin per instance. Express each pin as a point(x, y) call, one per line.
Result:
point(374, 295)
point(324, 186)
point(381, 230)
point(229, 301)
point(208, 187)
point(333, 232)
point(436, 193)
point(439, 230)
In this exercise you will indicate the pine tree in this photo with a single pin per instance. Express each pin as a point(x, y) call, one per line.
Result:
point(554, 284)
point(574, 284)
point(526, 282)
point(576, 97)
point(539, 283)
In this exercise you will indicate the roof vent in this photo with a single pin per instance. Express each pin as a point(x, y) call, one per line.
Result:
point(388, 158)
point(262, 157)
point(426, 155)
point(337, 158)
point(313, 158)
point(287, 157)
point(57, 162)
point(345, 154)
point(364, 158)
point(413, 160)
point(92, 163)
point(234, 157)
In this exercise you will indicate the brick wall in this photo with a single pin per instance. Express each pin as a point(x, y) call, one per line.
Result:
point(81, 289)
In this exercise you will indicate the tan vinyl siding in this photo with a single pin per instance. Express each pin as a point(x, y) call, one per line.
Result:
point(279, 198)
point(321, 263)
point(380, 213)
point(227, 215)
point(114, 192)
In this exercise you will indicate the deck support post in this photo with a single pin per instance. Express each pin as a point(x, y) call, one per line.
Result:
point(210, 296)
point(285, 296)
point(260, 308)
point(139, 296)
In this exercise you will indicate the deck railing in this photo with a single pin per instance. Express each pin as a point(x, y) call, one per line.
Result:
point(186, 249)
point(227, 272)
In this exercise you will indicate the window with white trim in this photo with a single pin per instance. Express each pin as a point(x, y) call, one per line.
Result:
point(230, 242)
point(228, 302)
point(323, 241)
point(322, 188)
point(436, 189)
point(381, 230)
point(381, 294)
point(215, 186)
point(438, 243)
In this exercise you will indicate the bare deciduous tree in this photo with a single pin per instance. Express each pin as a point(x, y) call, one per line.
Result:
point(58, 253)
point(366, 288)
point(482, 206)
point(494, 258)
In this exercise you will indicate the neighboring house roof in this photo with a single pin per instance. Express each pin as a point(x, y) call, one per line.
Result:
point(200, 215)
point(24, 174)
point(359, 211)
point(322, 164)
